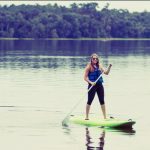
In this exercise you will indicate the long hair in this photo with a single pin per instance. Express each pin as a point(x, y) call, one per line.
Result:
point(91, 64)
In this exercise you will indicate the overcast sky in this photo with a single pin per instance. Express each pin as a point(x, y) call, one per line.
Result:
point(129, 5)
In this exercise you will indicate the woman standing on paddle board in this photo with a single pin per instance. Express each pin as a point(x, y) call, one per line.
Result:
point(92, 71)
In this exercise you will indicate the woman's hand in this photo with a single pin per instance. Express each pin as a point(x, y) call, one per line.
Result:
point(93, 83)
point(108, 69)
point(110, 65)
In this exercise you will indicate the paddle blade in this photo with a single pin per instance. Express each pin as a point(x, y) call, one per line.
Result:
point(65, 122)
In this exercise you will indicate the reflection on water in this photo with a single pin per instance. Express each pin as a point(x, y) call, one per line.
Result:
point(66, 130)
point(55, 54)
point(95, 137)
point(37, 62)
point(72, 47)
point(125, 131)
point(90, 141)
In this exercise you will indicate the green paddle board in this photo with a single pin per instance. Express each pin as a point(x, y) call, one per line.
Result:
point(109, 123)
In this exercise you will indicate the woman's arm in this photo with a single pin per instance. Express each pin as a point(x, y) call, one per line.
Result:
point(87, 69)
point(106, 71)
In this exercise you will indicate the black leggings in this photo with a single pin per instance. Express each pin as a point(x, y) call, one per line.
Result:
point(100, 92)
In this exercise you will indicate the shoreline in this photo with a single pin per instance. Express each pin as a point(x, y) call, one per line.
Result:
point(86, 39)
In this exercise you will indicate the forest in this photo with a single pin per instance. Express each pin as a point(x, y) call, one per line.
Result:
point(76, 21)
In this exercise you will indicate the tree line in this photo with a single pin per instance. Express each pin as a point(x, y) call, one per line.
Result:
point(76, 21)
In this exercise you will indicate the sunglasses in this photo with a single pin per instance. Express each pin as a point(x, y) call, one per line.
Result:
point(94, 58)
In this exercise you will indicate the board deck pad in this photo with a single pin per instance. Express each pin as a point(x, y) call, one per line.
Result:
point(109, 123)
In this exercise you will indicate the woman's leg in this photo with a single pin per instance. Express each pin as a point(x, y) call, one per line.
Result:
point(87, 111)
point(100, 93)
point(103, 110)
point(91, 95)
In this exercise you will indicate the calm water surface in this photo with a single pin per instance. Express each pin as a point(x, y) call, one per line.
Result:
point(40, 82)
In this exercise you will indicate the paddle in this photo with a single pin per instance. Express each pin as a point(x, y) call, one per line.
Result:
point(65, 120)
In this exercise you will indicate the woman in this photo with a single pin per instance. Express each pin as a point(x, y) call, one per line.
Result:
point(92, 71)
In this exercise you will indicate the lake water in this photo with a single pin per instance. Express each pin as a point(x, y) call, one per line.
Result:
point(41, 81)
